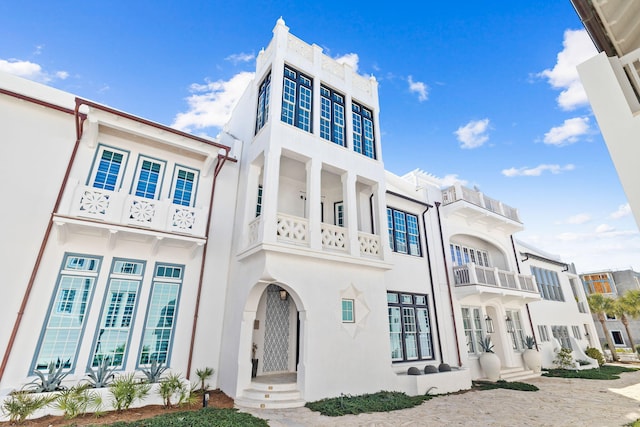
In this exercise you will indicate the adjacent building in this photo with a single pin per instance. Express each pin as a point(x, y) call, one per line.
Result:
point(281, 250)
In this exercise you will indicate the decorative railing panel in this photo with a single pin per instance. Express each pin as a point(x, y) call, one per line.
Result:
point(94, 202)
point(369, 244)
point(254, 231)
point(293, 229)
point(471, 274)
point(631, 64)
point(333, 237)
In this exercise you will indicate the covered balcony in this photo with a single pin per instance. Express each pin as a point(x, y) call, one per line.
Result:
point(489, 282)
point(480, 210)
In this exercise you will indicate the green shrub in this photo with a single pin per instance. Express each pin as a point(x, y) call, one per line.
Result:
point(171, 386)
point(126, 390)
point(606, 372)
point(383, 401)
point(514, 385)
point(564, 359)
point(20, 405)
point(78, 400)
point(594, 353)
point(205, 417)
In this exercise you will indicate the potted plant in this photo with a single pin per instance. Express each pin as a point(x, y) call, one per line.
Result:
point(489, 361)
point(254, 360)
point(530, 355)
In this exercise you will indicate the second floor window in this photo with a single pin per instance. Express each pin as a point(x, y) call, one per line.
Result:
point(403, 232)
point(148, 178)
point(108, 169)
point(262, 115)
point(184, 186)
point(297, 99)
point(331, 115)
point(463, 255)
point(548, 284)
point(363, 137)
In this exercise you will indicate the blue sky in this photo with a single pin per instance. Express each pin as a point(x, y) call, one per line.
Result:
point(482, 92)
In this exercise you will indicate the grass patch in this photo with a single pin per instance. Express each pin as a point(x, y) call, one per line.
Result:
point(635, 423)
point(382, 401)
point(514, 385)
point(204, 417)
point(605, 372)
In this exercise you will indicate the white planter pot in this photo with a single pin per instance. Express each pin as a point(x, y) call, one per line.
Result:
point(532, 360)
point(490, 364)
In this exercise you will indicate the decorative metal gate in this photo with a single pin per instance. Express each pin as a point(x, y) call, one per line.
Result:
point(276, 333)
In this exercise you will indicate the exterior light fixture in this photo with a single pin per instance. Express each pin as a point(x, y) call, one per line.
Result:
point(489, 323)
point(509, 324)
point(283, 295)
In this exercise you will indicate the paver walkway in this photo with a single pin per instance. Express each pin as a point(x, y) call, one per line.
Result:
point(559, 402)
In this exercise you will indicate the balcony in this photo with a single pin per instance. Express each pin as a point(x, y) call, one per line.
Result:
point(488, 283)
point(125, 209)
point(480, 210)
point(294, 231)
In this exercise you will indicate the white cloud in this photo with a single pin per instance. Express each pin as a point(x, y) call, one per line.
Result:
point(604, 228)
point(420, 88)
point(350, 58)
point(623, 210)
point(449, 180)
point(210, 104)
point(537, 171)
point(577, 48)
point(240, 57)
point(579, 219)
point(567, 133)
point(473, 134)
point(30, 70)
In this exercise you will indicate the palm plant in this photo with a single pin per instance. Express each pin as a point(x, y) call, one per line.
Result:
point(601, 306)
point(203, 374)
point(627, 305)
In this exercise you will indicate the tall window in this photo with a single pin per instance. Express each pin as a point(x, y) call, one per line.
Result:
point(561, 333)
point(331, 115)
point(347, 311)
point(262, 115)
point(259, 202)
point(363, 137)
point(112, 337)
point(543, 331)
point(409, 327)
point(515, 329)
point(65, 320)
point(148, 177)
point(161, 314)
point(462, 255)
point(576, 332)
point(404, 236)
point(597, 283)
point(185, 182)
point(472, 322)
point(297, 99)
point(548, 284)
point(108, 168)
point(338, 214)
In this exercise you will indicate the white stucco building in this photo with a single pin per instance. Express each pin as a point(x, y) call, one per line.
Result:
point(612, 82)
point(284, 241)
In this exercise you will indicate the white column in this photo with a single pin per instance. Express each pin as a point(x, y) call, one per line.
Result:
point(351, 211)
point(271, 182)
point(314, 170)
point(380, 220)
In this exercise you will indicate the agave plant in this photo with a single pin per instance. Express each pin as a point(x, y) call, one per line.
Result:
point(529, 342)
point(102, 375)
point(486, 344)
point(154, 371)
point(52, 380)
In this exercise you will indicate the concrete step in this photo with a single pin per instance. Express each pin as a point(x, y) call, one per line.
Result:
point(256, 394)
point(270, 387)
point(515, 374)
point(243, 402)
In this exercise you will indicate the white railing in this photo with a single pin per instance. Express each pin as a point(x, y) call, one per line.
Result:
point(631, 63)
point(293, 229)
point(125, 209)
point(459, 192)
point(333, 237)
point(472, 274)
point(369, 244)
point(254, 231)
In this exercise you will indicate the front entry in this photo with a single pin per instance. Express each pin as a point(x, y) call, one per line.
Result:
point(277, 330)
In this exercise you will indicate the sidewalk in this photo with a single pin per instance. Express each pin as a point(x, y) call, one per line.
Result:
point(559, 402)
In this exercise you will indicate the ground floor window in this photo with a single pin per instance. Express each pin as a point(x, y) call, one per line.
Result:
point(543, 331)
point(472, 321)
point(576, 332)
point(347, 311)
point(561, 333)
point(515, 329)
point(617, 337)
point(409, 327)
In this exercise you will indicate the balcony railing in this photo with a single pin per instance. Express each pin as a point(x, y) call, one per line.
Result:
point(458, 192)
point(631, 64)
point(472, 274)
point(125, 209)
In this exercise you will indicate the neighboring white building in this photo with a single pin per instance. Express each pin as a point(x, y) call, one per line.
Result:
point(286, 238)
point(562, 318)
point(612, 82)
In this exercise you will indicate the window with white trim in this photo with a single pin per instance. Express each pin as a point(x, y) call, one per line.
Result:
point(161, 314)
point(515, 329)
point(561, 333)
point(544, 333)
point(463, 255)
point(338, 214)
point(66, 317)
point(185, 183)
point(259, 202)
point(404, 234)
point(473, 328)
point(617, 338)
point(331, 115)
point(262, 115)
point(148, 178)
point(297, 95)
point(577, 334)
point(108, 168)
point(548, 284)
point(409, 327)
point(118, 311)
point(348, 314)
point(363, 135)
